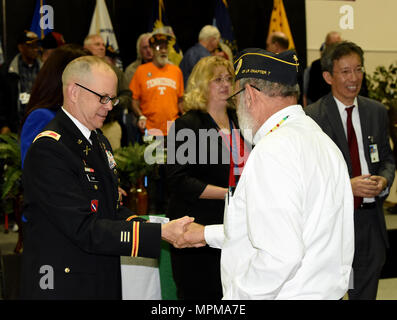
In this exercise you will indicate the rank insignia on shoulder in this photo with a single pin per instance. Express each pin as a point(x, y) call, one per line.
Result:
point(48, 133)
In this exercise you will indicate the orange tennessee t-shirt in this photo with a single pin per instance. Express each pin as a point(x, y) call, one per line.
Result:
point(158, 90)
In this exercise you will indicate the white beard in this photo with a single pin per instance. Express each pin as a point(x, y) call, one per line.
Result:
point(245, 121)
point(162, 61)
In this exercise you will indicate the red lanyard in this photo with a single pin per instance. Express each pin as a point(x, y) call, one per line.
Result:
point(237, 151)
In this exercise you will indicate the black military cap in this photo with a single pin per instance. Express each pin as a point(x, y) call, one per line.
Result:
point(262, 64)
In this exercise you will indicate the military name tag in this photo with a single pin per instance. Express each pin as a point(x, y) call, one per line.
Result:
point(373, 153)
point(91, 177)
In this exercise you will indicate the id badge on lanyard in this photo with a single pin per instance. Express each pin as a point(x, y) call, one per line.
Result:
point(373, 150)
point(373, 153)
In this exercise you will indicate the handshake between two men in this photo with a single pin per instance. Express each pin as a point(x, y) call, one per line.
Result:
point(183, 233)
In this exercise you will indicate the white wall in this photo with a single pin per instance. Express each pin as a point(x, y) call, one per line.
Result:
point(374, 28)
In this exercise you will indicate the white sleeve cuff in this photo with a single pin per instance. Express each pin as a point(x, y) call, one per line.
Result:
point(214, 235)
point(384, 193)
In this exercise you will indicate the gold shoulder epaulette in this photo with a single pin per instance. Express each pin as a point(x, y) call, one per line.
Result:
point(48, 133)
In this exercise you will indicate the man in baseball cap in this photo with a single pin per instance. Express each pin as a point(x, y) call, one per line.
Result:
point(288, 229)
point(16, 80)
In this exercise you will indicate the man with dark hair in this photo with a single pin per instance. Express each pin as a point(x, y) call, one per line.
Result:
point(277, 42)
point(288, 228)
point(359, 127)
point(51, 41)
point(16, 80)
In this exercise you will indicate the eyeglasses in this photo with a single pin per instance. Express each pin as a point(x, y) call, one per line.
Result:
point(219, 80)
point(347, 72)
point(103, 99)
point(161, 46)
point(241, 90)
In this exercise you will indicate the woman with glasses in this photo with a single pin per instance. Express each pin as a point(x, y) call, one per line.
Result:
point(206, 154)
point(46, 98)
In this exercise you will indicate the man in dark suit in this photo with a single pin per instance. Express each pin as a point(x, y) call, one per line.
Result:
point(361, 133)
point(75, 227)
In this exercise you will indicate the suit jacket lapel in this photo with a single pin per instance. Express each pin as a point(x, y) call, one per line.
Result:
point(337, 127)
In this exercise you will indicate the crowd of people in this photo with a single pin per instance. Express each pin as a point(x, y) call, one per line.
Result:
point(277, 180)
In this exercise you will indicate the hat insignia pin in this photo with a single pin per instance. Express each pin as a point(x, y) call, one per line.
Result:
point(239, 66)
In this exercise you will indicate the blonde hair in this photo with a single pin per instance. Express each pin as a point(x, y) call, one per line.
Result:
point(196, 94)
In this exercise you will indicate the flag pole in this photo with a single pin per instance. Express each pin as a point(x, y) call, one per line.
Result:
point(4, 30)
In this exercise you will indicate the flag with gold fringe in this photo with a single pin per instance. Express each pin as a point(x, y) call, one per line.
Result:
point(279, 22)
point(159, 21)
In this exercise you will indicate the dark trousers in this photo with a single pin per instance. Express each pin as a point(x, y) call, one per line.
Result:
point(369, 255)
point(197, 273)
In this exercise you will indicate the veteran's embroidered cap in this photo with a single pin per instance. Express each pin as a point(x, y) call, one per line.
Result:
point(262, 64)
point(163, 34)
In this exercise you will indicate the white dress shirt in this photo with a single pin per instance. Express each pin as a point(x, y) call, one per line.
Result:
point(288, 229)
point(357, 129)
point(84, 130)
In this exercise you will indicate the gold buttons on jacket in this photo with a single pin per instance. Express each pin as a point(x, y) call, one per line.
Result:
point(67, 270)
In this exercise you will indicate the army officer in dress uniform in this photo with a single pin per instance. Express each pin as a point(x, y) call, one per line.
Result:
point(75, 229)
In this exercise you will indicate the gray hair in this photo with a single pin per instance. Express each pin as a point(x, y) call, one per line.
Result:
point(272, 89)
point(138, 43)
point(81, 68)
point(209, 31)
point(88, 39)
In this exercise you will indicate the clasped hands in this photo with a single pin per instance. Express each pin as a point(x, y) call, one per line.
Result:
point(368, 186)
point(183, 233)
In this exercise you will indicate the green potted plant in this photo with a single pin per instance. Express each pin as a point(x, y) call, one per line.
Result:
point(133, 167)
point(382, 84)
point(11, 191)
point(10, 154)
